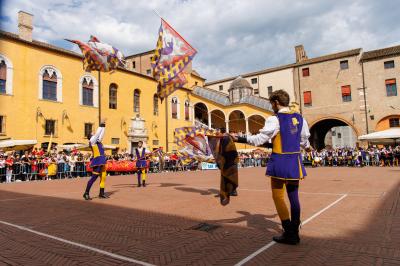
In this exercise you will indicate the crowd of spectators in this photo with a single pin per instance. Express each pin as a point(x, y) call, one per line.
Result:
point(374, 156)
point(37, 164)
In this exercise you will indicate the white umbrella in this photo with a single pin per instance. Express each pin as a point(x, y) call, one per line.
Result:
point(17, 145)
point(382, 136)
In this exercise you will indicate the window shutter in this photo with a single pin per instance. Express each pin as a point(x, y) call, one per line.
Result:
point(3, 71)
point(307, 97)
point(390, 81)
point(174, 109)
point(346, 90)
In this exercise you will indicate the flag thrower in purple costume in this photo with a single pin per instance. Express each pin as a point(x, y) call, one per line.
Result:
point(99, 56)
point(206, 146)
point(172, 55)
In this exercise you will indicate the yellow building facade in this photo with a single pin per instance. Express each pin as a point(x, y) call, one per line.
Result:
point(45, 94)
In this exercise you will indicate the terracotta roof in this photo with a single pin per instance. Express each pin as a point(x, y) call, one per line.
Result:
point(140, 54)
point(381, 53)
point(195, 73)
point(51, 47)
point(328, 57)
point(14, 36)
point(250, 74)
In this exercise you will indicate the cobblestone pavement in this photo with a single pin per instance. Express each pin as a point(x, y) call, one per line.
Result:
point(352, 217)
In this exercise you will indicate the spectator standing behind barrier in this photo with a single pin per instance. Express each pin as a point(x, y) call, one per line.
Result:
point(2, 167)
point(52, 170)
point(9, 166)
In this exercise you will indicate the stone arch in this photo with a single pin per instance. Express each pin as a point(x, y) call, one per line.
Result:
point(218, 119)
point(201, 113)
point(237, 121)
point(384, 122)
point(256, 122)
point(321, 128)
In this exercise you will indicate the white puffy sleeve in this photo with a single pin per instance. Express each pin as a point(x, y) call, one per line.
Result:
point(98, 136)
point(270, 129)
point(305, 134)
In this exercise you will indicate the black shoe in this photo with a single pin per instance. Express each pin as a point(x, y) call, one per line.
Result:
point(295, 229)
point(234, 193)
point(139, 185)
point(144, 183)
point(288, 237)
point(102, 195)
point(86, 196)
point(224, 200)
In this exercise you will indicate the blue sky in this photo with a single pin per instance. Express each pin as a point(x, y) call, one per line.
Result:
point(232, 37)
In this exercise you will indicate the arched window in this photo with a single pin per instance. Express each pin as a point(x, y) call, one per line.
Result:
point(155, 104)
point(112, 96)
point(87, 92)
point(49, 89)
point(6, 75)
point(174, 107)
point(187, 112)
point(136, 101)
point(3, 76)
point(50, 84)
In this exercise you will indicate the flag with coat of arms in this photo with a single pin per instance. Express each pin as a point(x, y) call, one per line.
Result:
point(172, 55)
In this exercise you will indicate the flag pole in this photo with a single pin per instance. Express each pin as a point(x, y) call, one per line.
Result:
point(99, 97)
point(155, 11)
point(166, 122)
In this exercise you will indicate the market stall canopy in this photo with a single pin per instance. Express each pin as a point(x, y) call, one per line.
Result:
point(17, 145)
point(384, 136)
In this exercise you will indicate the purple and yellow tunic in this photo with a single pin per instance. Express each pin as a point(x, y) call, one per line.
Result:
point(98, 154)
point(285, 162)
point(141, 159)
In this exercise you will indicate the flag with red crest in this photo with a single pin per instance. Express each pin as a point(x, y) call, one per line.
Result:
point(171, 57)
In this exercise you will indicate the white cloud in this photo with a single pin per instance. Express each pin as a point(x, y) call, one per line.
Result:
point(232, 37)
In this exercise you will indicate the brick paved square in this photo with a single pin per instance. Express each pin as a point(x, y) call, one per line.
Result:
point(155, 224)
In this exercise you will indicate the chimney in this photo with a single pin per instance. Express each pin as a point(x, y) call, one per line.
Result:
point(300, 53)
point(25, 26)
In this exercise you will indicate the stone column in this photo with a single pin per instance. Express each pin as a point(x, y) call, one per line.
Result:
point(247, 126)
point(193, 118)
point(227, 125)
point(209, 120)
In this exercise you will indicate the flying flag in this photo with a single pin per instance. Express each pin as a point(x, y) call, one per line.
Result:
point(172, 55)
point(205, 145)
point(99, 56)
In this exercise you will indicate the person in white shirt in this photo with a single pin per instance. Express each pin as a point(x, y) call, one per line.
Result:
point(98, 163)
point(288, 131)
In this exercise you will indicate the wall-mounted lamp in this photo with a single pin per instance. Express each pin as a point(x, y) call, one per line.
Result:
point(123, 122)
point(38, 113)
point(64, 116)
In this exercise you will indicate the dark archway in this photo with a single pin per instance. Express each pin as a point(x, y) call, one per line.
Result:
point(237, 122)
point(218, 119)
point(201, 113)
point(320, 129)
point(256, 122)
